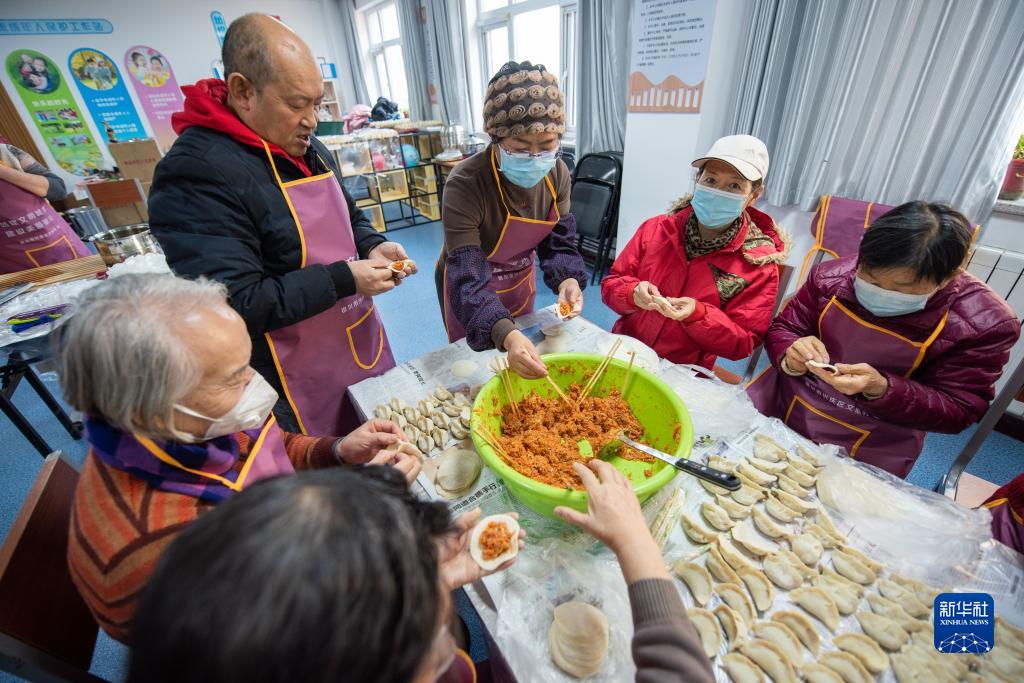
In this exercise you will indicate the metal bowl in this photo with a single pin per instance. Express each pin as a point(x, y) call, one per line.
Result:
point(119, 244)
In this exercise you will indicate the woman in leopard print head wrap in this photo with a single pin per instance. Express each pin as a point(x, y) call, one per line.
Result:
point(504, 210)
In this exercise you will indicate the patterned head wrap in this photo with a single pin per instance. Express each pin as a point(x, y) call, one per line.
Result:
point(521, 99)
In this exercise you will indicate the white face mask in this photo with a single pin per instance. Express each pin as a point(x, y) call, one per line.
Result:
point(251, 411)
point(886, 303)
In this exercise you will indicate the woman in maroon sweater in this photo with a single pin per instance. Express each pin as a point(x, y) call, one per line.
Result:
point(917, 343)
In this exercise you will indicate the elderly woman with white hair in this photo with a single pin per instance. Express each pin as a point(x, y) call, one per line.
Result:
point(177, 421)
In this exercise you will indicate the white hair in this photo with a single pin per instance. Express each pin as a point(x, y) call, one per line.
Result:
point(123, 357)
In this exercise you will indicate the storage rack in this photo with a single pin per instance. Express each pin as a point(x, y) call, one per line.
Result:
point(376, 171)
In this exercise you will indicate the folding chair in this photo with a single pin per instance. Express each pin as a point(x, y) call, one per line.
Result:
point(46, 631)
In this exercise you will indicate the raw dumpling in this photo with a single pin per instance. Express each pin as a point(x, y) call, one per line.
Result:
point(696, 532)
point(696, 578)
point(826, 539)
point(846, 598)
point(767, 526)
point(494, 541)
point(750, 541)
point(741, 669)
point(780, 572)
point(464, 369)
point(847, 666)
point(883, 630)
point(894, 611)
point(795, 503)
point(808, 455)
point(807, 548)
point(802, 627)
point(779, 633)
point(456, 473)
point(779, 511)
point(797, 564)
point(863, 648)
point(801, 464)
point(410, 449)
point(713, 489)
point(770, 658)
point(733, 556)
point(732, 623)
point(578, 638)
point(905, 597)
point(823, 520)
point(923, 591)
point(789, 486)
point(760, 589)
point(716, 516)
point(732, 508)
point(767, 448)
point(754, 474)
point(852, 568)
point(767, 466)
point(832, 576)
point(819, 673)
point(818, 604)
point(750, 483)
point(719, 568)
point(707, 628)
point(734, 596)
point(874, 566)
point(799, 476)
point(746, 495)
point(720, 463)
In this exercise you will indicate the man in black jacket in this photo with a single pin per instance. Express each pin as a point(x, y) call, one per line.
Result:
point(218, 207)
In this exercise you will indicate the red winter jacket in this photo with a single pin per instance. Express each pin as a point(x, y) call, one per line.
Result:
point(657, 254)
point(952, 387)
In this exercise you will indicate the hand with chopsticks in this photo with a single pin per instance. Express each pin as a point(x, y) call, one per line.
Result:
point(457, 566)
point(523, 358)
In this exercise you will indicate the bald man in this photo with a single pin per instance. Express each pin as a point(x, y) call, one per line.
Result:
point(249, 197)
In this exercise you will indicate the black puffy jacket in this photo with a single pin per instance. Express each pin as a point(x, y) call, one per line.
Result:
point(217, 211)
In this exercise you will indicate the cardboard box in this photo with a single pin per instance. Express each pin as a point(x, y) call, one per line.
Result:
point(136, 159)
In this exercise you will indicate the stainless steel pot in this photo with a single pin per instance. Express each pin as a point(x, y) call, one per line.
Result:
point(119, 244)
point(87, 221)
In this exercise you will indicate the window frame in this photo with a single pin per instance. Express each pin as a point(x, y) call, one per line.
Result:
point(569, 27)
point(372, 50)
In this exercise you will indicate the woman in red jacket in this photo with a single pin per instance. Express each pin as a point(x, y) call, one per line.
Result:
point(700, 281)
point(917, 343)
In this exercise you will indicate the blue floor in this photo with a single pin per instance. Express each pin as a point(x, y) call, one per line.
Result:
point(414, 326)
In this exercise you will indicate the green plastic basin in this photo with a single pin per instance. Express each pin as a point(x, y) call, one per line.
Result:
point(660, 411)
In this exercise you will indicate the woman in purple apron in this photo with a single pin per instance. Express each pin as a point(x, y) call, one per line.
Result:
point(915, 343)
point(344, 344)
point(504, 208)
point(32, 233)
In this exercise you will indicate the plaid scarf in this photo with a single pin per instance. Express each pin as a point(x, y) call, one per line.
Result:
point(220, 457)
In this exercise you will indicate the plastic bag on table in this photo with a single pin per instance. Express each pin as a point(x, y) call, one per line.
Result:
point(546, 575)
point(717, 409)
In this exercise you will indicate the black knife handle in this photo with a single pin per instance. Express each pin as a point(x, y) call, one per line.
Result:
point(727, 480)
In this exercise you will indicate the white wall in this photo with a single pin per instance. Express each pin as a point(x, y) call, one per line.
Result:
point(180, 29)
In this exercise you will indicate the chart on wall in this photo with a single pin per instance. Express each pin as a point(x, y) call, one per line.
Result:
point(105, 93)
point(671, 41)
point(157, 90)
point(53, 110)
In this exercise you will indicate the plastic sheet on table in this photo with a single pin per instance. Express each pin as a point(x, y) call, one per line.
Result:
point(717, 409)
point(546, 575)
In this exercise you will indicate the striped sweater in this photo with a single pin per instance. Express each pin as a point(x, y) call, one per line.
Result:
point(120, 525)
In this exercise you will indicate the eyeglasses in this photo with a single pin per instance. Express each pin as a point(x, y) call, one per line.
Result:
point(547, 154)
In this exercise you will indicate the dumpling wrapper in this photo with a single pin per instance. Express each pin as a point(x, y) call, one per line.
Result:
point(476, 551)
point(464, 369)
point(457, 472)
point(578, 638)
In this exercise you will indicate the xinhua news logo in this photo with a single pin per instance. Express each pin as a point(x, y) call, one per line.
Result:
point(964, 623)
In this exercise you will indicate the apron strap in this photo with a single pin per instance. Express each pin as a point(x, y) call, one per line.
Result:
point(165, 457)
point(497, 181)
point(928, 342)
point(288, 201)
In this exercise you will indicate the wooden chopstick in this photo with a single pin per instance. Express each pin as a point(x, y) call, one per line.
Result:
point(625, 380)
point(491, 441)
point(600, 370)
point(559, 391)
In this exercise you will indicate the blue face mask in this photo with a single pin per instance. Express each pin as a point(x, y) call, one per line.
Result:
point(526, 170)
point(886, 303)
point(716, 209)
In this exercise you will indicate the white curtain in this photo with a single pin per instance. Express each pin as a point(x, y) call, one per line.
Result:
point(603, 75)
point(448, 54)
point(355, 59)
point(884, 101)
point(414, 57)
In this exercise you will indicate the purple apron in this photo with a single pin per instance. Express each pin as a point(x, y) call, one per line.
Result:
point(1006, 505)
point(32, 233)
point(318, 358)
point(513, 275)
point(462, 670)
point(267, 458)
point(813, 408)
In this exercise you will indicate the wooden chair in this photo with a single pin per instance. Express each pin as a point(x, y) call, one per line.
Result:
point(785, 275)
point(46, 631)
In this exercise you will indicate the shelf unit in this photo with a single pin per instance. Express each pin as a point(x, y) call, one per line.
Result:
point(331, 101)
point(391, 174)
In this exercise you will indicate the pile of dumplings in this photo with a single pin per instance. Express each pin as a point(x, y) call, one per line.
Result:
point(771, 535)
point(435, 421)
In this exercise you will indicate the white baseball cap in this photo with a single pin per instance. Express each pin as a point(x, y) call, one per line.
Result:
point(745, 153)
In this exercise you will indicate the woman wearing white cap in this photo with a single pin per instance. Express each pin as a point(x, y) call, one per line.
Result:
point(700, 281)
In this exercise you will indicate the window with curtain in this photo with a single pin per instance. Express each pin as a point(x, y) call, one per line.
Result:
point(539, 31)
point(382, 53)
